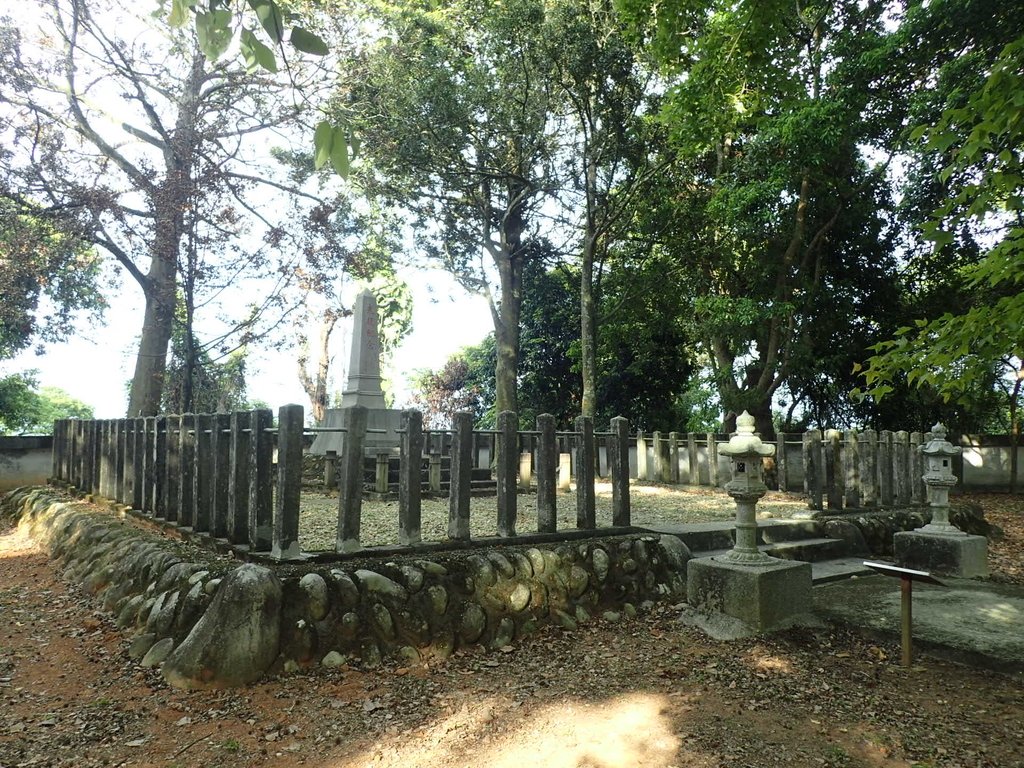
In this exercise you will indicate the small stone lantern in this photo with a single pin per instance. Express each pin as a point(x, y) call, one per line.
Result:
point(746, 451)
point(939, 478)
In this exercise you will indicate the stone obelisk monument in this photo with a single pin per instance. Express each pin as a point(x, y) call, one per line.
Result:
point(362, 387)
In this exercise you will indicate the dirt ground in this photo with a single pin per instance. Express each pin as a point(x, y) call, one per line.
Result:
point(645, 692)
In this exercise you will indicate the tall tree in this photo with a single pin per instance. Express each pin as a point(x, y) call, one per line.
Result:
point(769, 108)
point(152, 147)
point(455, 123)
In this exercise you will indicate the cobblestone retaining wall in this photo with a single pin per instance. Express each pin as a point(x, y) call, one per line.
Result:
point(209, 622)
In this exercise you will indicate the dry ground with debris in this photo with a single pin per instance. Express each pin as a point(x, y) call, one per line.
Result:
point(643, 692)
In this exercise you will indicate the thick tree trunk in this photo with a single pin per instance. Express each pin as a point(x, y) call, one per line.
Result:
point(316, 386)
point(158, 321)
point(506, 335)
point(588, 332)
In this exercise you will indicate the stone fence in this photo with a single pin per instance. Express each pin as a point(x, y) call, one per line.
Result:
point(215, 474)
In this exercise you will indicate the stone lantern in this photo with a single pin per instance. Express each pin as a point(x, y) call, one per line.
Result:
point(938, 453)
point(746, 451)
point(940, 547)
point(744, 591)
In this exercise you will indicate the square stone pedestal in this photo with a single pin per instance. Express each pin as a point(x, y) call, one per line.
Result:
point(942, 553)
point(733, 600)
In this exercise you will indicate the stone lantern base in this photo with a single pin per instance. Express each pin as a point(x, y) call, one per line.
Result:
point(730, 600)
point(956, 554)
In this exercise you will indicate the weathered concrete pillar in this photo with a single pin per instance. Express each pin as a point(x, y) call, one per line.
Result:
point(187, 471)
point(641, 456)
point(138, 464)
point(834, 469)
point(221, 448)
point(434, 472)
point(104, 458)
point(285, 542)
point(564, 472)
point(673, 458)
point(149, 492)
point(203, 478)
point(261, 480)
point(813, 471)
point(713, 475)
point(885, 461)
point(507, 471)
point(238, 482)
point(160, 468)
point(525, 476)
point(96, 448)
point(868, 454)
point(547, 469)
point(586, 504)
point(330, 470)
point(121, 436)
point(917, 487)
point(172, 465)
point(659, 469)
point(350, 487)
point(618, 460)
point(851, 468)
point(901, 468)
point(410, 486)
point(461, 476)
point(382, 469)
point(781, 462)
point(692, 459)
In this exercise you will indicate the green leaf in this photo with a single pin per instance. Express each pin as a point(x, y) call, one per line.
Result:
point(179, 12)
point(214, 33)
point(256, 54)
point(339, 153)
point(322, 138)
point(270, 18)
point(307, 42)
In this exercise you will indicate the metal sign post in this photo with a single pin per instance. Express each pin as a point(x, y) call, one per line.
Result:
point(907, 577)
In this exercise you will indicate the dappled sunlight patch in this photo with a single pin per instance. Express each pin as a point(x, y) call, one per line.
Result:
point(621, 732)
point(762, 661)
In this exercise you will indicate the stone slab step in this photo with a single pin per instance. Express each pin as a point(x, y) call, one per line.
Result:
point(808, 550)
point(840, 568)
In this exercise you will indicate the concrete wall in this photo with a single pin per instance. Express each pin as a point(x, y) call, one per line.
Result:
point(25, 461)
point(986, 462)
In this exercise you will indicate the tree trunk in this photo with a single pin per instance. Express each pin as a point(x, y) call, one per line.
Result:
point(588, 330)
point(316, 387)
point(158, 320)
point(506, 336)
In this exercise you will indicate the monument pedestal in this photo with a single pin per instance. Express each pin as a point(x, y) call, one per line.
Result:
point(757, 598)
point(946, 554)
point(374, 443)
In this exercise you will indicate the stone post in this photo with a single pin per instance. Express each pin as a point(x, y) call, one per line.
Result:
point(95, 451)
point(564, 472)
point(901, 467)
point(813, 475)
point(618, 460)
point(586, 504)
point(434, 472)
point(261, 480)
point(659, 469)
point(547, 460)
point(410, 486)
point(940, 546)
point(917, 486)
point(641, 456)
point(221, 447)
point(238, 482)
point(172, 475)
point(885, 460)
point(104, 458)
point(525, 477)
point(851, 467)
point(350, 488)
point(673, 458)
point(692, 459)
point(868, 454)
point(834, 469)
point(507, 471)
point(285, 542)
point(187, 468)
point(138, 464)
point(382, 469)
point(121, 436)
point(203, 478)
point(149, 469)
point(713, 475)
point(461, 475)
point(330, 470)
point(781, 462)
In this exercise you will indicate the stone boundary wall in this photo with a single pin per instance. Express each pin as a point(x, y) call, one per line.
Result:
point(25, 460)
point(209, 622)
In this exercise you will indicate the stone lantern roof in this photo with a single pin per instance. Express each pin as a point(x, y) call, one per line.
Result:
point(938, 445)
point(745, 443)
